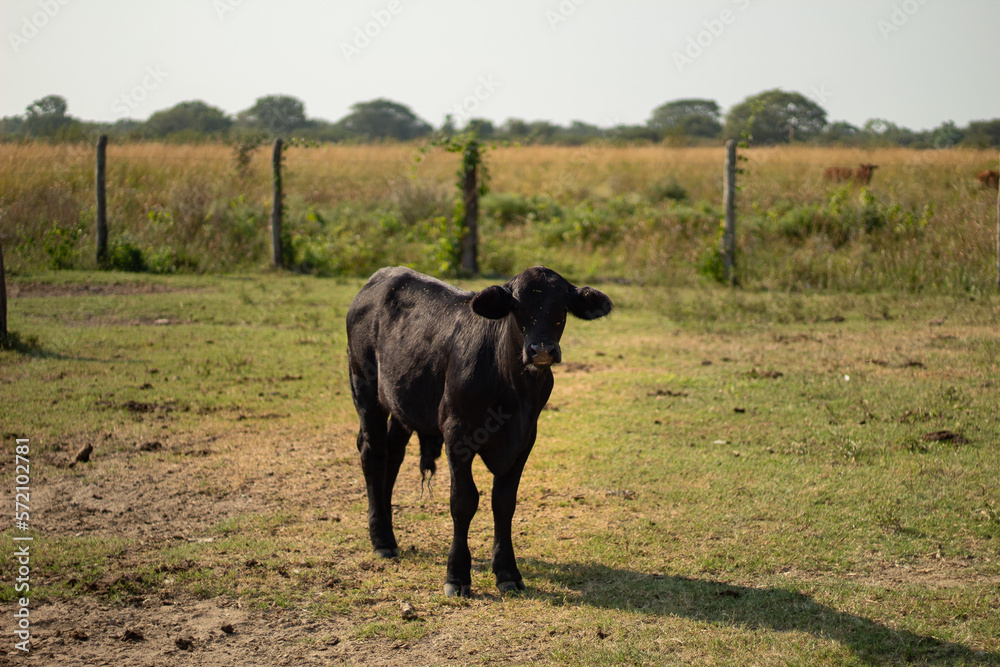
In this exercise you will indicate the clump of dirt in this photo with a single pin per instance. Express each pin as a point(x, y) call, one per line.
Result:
point(944, 436)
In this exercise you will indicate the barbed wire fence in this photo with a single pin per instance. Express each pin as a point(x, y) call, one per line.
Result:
point(806, 166)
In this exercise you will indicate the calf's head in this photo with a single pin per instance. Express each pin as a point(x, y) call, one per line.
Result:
point(535, 303)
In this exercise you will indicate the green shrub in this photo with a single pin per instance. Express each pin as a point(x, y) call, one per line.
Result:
point(125, 255)
point(506, 207)
point(311, 255)
point(668, 189)
point(711, 264)
point(873, 216)
point(509, 208)
point(163, 260)
point(444, 243)
point(597, 226)
point(60, 244)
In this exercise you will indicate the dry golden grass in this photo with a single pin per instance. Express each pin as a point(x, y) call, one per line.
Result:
point(366, 170)
point(935, 219)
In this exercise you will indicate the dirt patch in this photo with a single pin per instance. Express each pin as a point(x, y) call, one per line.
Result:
point(164, 496)
point(935, 571)
point(929, 573)
point(174, 488)
point(944, 436)
point(157, 631)
point(17, 290)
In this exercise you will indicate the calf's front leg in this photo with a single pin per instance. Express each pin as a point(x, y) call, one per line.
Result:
point(464, 503)
point(504, 501)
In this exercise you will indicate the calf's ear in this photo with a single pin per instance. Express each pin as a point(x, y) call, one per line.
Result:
point(493, 303)
point(588, 303)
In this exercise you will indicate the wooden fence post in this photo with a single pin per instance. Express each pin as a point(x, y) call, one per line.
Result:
point(102, 204)
point(998, 238)
point(277, 207)
point(470, 240)
point(729, 204)
point(3, 300)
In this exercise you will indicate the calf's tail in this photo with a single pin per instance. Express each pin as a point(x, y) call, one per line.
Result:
point(430, 450)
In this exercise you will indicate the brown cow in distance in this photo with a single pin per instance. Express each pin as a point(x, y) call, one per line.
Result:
point(990, 178)
point(838, 174)
point(862, 175)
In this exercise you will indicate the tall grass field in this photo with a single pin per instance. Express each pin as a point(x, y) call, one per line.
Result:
point(647, 215)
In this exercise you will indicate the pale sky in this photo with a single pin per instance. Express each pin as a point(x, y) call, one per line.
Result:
point(917, 63)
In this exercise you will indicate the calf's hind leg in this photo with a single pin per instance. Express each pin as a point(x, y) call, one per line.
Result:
point(373, 444)
point(395, 440)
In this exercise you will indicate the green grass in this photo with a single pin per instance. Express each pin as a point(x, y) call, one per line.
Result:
point(726, 477)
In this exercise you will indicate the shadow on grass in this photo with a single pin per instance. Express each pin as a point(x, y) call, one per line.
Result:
point(30, 346)
point(774, 609)
point(11, 340)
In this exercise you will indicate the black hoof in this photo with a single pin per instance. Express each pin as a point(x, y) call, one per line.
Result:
point(510, 586)
point(454, 590)
point(388, 553)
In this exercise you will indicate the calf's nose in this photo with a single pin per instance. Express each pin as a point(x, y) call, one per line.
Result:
point(543, 354)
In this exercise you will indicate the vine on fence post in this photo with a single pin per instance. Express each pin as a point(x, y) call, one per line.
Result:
point(470, 191)
point(472, 182)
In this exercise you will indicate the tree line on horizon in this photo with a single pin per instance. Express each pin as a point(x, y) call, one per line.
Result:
point(768, 118)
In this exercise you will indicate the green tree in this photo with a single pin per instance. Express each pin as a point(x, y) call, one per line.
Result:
point(52, 105)
point(47, 117)
point(633, 134)
point(947, 134)
point(515, 128)
point(448, 128)
point(11, 126)
point(840, 132)
point(775, 116)
point(983, 133)
point(882, 132)
point(577, 134)
point(190, 120)
point(691, 117)
point(542, 131)
point(481, 127)
point(278, 114)
point(384, 119)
